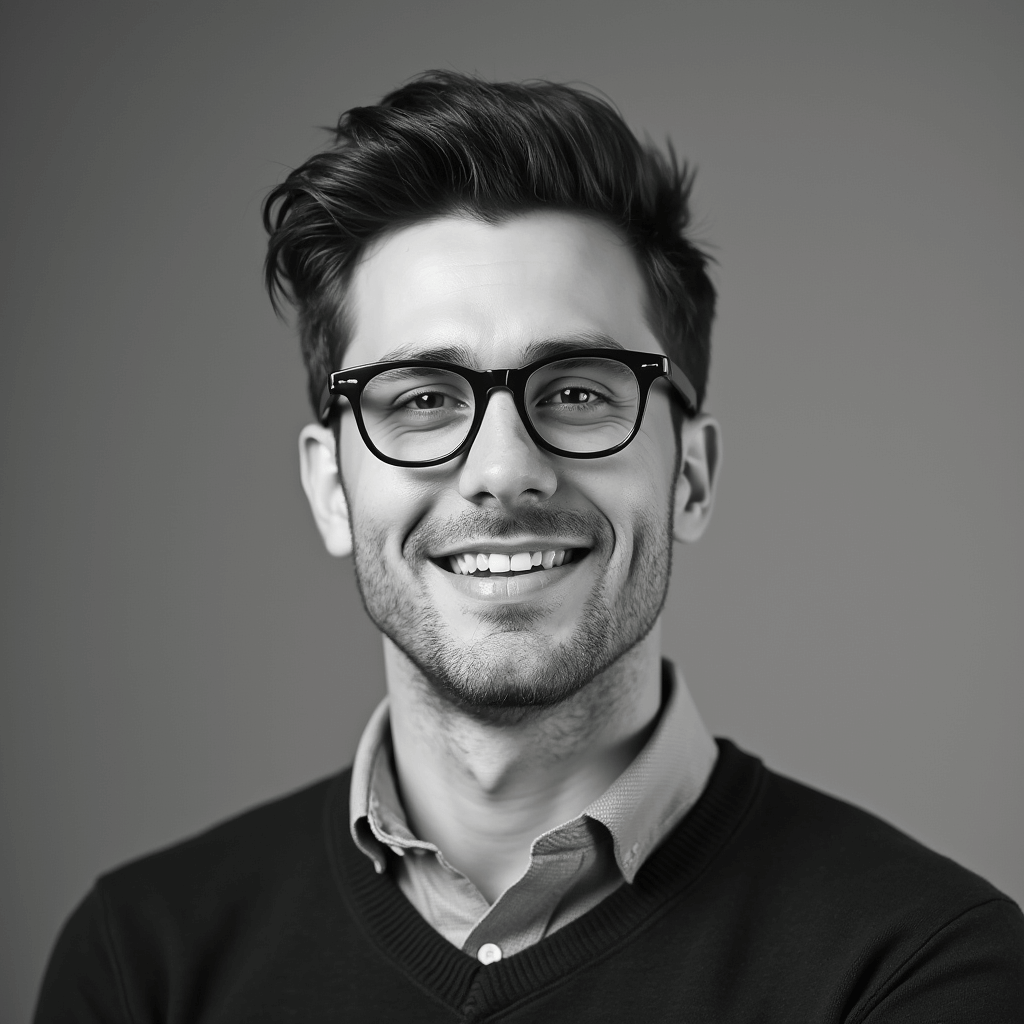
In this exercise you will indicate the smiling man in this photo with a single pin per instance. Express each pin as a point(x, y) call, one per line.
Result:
point(506, 330)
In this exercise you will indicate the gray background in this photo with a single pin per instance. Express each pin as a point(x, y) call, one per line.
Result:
point(854, 615)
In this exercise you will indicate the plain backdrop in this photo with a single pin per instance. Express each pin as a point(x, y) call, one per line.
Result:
point(177, 645)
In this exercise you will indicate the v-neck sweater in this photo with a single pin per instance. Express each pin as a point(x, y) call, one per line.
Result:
point(573, 867)
point(769, 901)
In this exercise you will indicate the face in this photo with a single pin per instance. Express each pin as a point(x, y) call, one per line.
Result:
point(509, 634)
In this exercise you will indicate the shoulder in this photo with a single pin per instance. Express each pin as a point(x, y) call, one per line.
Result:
point(841, 850)
point(836, 905)
point(809, 879)
point(170, 926)
point(248, 851)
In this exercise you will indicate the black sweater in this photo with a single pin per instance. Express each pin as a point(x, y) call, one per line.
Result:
point(769, 902)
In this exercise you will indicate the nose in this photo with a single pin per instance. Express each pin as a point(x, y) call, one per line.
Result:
point(503, 463)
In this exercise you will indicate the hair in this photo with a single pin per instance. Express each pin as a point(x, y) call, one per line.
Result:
point(452, 144)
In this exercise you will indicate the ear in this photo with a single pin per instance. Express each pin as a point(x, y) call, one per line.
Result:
point(318, 467)
point(700, 457)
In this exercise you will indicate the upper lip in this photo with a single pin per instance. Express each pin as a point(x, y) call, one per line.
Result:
point(506, 547)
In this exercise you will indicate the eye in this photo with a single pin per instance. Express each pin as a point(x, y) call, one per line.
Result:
point(426, 401)
point(573, 396)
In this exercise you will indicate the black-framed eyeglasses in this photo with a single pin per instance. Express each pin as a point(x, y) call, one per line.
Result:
point(584, 404)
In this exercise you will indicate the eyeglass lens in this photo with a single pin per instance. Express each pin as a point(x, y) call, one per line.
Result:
point(578, 404)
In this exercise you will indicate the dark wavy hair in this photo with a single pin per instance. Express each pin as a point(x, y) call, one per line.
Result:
point(449, 143)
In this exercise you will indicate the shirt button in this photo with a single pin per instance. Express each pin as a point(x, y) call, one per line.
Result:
point(489, 953)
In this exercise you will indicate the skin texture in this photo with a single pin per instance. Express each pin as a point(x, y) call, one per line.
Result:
point(512, 707)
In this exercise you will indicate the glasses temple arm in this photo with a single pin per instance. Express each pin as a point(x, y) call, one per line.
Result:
point(682, 384)
point(326, 401)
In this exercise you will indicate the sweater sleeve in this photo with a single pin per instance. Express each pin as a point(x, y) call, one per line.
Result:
point(82, 984)
point(971, 970)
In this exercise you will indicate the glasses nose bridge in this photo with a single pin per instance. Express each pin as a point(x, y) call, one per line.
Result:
point(497, 380)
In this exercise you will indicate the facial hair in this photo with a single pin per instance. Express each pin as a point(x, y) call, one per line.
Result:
point(512, 664)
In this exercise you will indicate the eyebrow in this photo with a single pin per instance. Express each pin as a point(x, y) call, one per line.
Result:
point(463, 355)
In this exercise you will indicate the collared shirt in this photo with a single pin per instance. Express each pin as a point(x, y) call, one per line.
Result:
point(572, 867)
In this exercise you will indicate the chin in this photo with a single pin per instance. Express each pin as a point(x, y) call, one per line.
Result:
point(509, 672)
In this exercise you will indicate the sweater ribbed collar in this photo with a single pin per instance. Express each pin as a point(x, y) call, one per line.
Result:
point(401, 935)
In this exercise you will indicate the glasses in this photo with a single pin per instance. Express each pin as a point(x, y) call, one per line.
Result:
point(584, 404)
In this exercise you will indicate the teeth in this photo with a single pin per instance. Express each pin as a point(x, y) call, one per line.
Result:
point(523, 561)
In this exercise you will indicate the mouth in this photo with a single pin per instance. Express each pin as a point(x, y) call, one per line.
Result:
point(488, 564)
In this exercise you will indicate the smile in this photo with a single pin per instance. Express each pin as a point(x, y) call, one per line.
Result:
point(483, 564)
point(500, 582)
point(488, 564)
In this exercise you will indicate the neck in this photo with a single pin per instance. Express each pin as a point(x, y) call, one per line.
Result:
point(482, 791)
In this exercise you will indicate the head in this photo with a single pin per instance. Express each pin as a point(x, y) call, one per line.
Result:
point(484, 222)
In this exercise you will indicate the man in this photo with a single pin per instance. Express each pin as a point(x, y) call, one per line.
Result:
point(507, 331)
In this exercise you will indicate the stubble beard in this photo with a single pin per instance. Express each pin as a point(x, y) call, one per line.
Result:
point(511, 665)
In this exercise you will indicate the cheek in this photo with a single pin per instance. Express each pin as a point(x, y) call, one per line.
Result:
point(632, 491)
point(385, 502)
point(654, 464)
point(641, 477)
point(366, 484)
point(658, 439)
point(381, 509)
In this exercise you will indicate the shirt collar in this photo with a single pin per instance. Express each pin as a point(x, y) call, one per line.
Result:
point(662, 782)
point(375, 741)
point(639, 809)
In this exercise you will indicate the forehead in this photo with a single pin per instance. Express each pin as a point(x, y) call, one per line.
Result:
point(493, 294)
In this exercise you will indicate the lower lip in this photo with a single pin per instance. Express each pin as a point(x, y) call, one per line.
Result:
point(509, 588)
